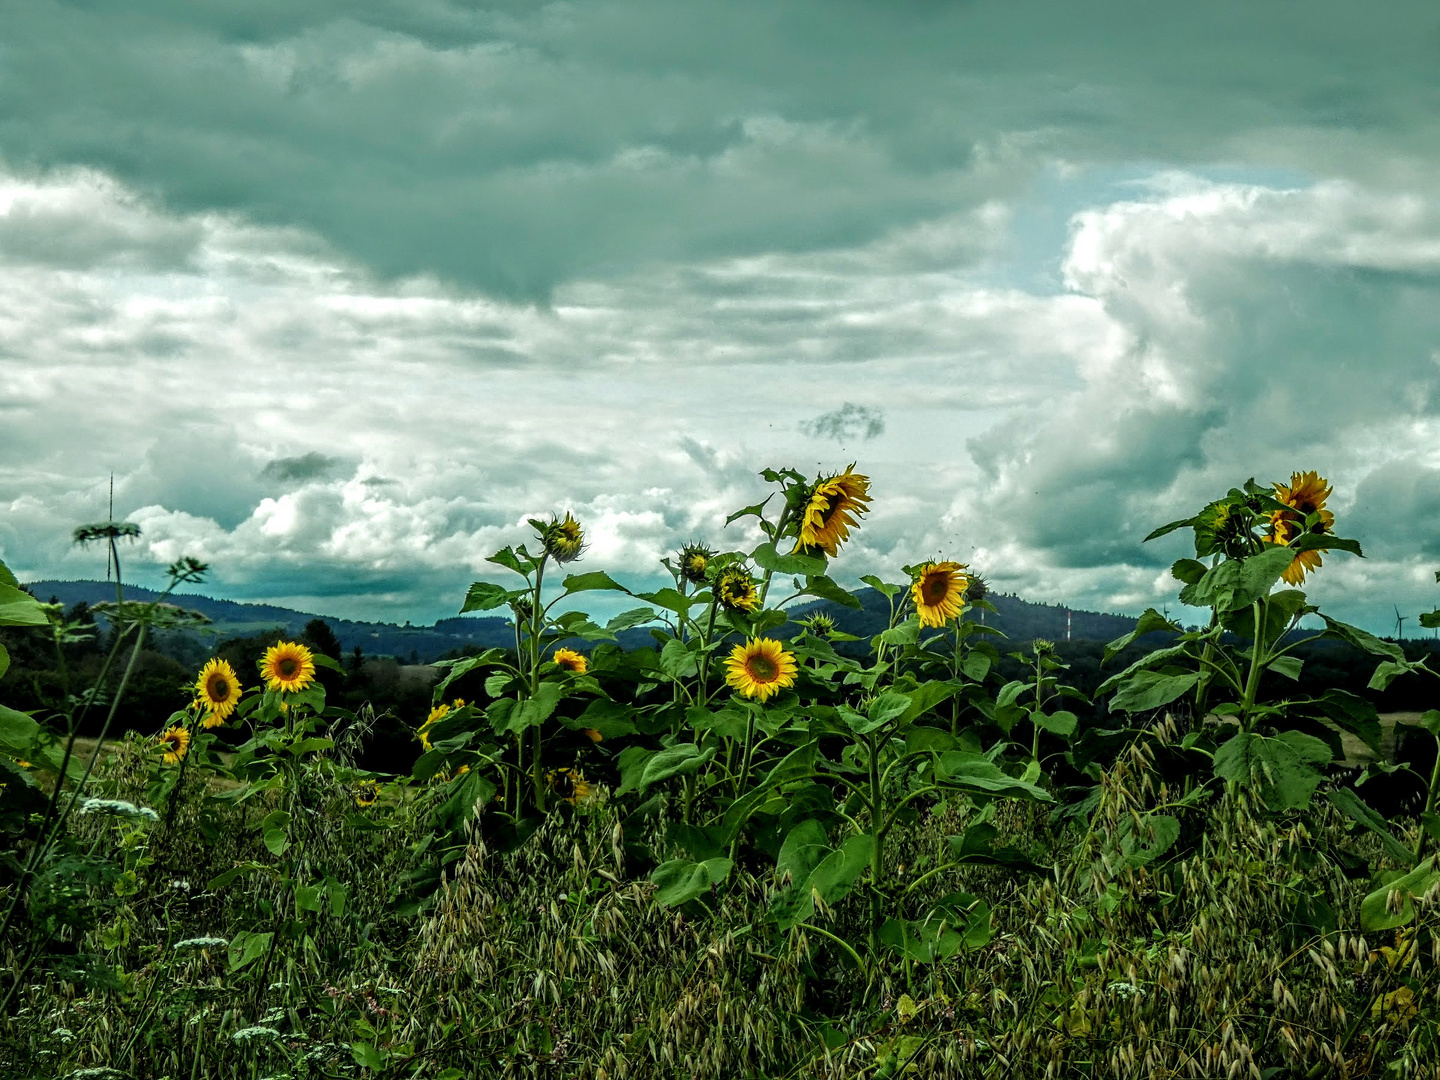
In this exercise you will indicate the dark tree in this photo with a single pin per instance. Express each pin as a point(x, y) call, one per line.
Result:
point(321, 638)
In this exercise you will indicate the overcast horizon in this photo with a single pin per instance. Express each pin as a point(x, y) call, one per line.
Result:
point(343, 294)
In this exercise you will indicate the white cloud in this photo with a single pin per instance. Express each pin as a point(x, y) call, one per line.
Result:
point(322, 436)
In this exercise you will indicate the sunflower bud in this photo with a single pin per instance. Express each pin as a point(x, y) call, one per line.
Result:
point(821, 625)
point(694, 562)
point(563, 539)
point(978, 588)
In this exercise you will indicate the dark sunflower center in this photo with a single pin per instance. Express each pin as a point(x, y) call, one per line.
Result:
point(287, 668)
point(935, 588)
point(761, 668)
point(219, 688)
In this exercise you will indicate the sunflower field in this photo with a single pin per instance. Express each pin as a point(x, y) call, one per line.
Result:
point(756, 847)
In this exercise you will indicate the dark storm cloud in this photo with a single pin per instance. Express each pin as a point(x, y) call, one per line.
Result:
point(517, 146)
point(849, 421)
point(304, 467)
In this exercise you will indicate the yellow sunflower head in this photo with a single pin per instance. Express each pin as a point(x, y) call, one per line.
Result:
point(760, 668)
point(939, 592)
point(288, 666)
point(569, 785)
point(572, 661)
point(735, 590)
point(1304, 495)
point(694, 561)
point(367, 793)
point(563, 539)
point(217, 691)
point(175, 742)
point(833, 509)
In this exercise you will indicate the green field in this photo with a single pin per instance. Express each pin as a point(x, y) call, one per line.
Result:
point(736, 852)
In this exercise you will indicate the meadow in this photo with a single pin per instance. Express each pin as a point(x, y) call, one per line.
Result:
point(735, 852)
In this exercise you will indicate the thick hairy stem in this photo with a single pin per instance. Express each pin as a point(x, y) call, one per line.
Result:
point(1257, 650)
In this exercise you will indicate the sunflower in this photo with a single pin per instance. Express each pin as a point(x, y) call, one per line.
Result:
point(564, 539)
point(218, 692)
point(694, 561)
point(175, 741)
point(288, 666)
point(736, 590)
point(367, 793)
point(570, 660)
point(760, 668)
point(1304, 495)
point(832, 510)
point(591, 734)
point(569, 784)
point(438, 713)
point(939, 592)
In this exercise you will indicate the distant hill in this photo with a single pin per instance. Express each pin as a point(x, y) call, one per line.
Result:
point(1019, 619)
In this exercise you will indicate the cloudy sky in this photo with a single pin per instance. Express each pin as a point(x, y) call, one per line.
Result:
point(342, 293)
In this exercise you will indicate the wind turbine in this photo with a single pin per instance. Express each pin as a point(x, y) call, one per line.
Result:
point(1399, 625)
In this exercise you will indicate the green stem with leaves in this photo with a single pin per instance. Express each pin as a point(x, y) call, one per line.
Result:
point(1257, 650)
point(537, 777)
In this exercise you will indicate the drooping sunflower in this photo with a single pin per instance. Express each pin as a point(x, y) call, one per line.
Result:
point(176, 742)
point(572, 661)
point(736, 591)
point(834, 508)
point(1304, 495)
point(569, 785)
point(563, 539)
point(217, 691)
point(288, 666)
point(760, 668)
point(694, 561)
point(939, 592)
point(367, 793)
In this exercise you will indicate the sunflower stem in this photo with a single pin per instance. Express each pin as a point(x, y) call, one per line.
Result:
point(537, 777)
point(877, 853)
point(1252, 682)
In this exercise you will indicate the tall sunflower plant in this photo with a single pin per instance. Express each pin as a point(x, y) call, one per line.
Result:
point(1235, 682)
point(503, 746)
point(837, 755)
point(713, 739)
point(279, 766)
